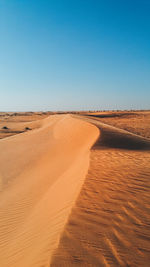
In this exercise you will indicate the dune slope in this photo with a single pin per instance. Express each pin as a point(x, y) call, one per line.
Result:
point(109, 223)
point(41, 173)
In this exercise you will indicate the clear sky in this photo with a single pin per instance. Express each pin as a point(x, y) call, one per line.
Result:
point(74, 54)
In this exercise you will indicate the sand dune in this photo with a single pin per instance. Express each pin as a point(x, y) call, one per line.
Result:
point(57, 210)
point(41, 173)
point(133, 121)
point(109, 224)
point(118, 138)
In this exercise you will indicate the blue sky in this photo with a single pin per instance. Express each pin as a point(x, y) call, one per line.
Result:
point(74, 54)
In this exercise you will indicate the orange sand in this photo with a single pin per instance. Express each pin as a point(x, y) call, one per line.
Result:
point(109, 224)
point(45, 170)
point(41, 172)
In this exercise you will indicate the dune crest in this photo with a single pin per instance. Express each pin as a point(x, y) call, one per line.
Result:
point(109, 223)
point(41, 173)
point(117, 138)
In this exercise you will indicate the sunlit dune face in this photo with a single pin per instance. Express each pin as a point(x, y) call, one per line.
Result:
point(41, 171)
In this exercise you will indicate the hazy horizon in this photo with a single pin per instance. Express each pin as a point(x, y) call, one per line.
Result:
point(74, 55)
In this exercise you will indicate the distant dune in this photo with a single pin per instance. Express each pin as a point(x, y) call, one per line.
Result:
point(74, 191)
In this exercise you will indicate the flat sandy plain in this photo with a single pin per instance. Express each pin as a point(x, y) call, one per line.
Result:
point(75, 189)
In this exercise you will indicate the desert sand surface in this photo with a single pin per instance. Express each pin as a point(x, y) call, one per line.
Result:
point(110, 222)
point(75, 191)
point(12, 123)
point(41, 173)
point(137, 122)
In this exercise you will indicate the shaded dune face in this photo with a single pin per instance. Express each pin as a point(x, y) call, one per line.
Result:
point(117, 138)
point(41, 173)
point(112, 137)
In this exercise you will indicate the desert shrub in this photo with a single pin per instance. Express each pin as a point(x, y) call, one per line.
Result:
point(27, 128)
point(5, 128)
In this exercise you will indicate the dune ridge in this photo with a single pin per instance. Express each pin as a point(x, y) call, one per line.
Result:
point(41, 173)
point(113, 137)
point(109, 223)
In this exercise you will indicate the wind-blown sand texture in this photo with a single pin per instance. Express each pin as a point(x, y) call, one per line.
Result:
point(45, 170)
point(110, 222)
point(41, 172)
